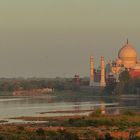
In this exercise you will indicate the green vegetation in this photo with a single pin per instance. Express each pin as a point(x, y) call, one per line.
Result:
point(129, 113)
point(127, 119)
point(126, 85)
point(61, 135)
point(93, 127)
point(10, 85)
point(39, 134)
point(96, 113)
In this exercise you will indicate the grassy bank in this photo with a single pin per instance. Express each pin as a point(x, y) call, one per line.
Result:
point(92, 127)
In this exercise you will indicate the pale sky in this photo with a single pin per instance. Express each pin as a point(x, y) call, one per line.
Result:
point(49, 38)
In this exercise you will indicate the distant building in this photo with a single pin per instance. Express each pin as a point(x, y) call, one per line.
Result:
point(127, 59)
point(97, 78)
point(109, 73)
point(76, 79)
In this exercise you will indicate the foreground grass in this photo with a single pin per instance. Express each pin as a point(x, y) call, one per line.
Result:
point(126, 120)
point(93, 127)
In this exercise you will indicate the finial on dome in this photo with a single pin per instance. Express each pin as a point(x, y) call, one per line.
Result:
point(127, 40)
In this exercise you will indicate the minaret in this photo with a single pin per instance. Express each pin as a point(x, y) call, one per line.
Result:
point(102, 82)
point(127, 41)
point(91, 71)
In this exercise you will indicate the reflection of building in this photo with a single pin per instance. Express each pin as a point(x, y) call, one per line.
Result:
point(109, 73)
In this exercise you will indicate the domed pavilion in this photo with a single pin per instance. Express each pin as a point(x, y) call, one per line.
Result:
point(128, 56)
point(109, 73)
point(127, 59)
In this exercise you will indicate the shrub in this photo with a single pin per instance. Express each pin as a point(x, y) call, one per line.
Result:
point(2, 138)
point(40, 131)
point(96, 113)
point(62, 135)
point(108, 136)
point(129, 113)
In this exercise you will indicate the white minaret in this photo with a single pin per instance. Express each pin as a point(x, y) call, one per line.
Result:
point(91, 71)
point(102, 82)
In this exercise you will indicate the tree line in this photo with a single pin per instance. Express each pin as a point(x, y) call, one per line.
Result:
point(126, 85)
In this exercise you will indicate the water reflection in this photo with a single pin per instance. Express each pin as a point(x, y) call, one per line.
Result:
point(32, 106)
point(130, 103)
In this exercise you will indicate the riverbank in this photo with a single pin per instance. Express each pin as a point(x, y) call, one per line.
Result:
point(89, 127)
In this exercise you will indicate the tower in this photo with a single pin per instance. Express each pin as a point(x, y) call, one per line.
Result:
point(91, 71)
point(102, 82)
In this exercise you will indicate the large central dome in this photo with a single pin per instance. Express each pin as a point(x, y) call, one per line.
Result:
point(128, 55)
point(127, 51)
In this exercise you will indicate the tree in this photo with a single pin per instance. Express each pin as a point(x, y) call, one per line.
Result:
point(124, 76)
point(124, 82)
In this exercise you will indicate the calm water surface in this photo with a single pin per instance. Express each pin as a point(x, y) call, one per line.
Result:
point(32, 106)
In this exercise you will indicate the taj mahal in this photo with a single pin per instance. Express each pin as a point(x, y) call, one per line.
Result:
point(127, 60)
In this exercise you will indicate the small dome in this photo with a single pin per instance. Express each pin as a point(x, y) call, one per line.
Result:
point(127, 51)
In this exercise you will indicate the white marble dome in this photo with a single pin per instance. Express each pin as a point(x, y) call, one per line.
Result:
point(128, 55)
point(127, 51)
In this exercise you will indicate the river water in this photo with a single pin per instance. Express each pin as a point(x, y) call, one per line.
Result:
point(11, 106)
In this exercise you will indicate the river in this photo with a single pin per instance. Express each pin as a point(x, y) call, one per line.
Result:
point(11, 106)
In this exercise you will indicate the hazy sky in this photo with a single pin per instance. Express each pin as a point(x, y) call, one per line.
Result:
point(49, 38)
